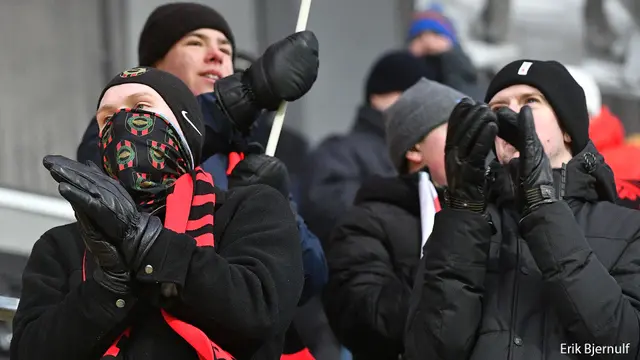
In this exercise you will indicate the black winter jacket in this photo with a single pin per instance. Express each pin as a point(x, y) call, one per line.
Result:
point(243, 293)
point(568, 273)
point(337, 169)
point(373, 257)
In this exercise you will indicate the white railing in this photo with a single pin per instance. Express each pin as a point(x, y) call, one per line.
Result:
point(55, 210)
point(37, 204)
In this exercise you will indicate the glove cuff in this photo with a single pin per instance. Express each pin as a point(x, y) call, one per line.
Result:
point(460, 204)
point(114, 282)
point(151, 226)
point(544, 194)
point(237, 101)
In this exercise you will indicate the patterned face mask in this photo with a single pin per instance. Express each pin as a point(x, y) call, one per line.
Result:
point(142, 150)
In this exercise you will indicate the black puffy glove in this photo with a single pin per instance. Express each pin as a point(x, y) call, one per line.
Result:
point(285, 72)
point(470, 137)
point(261, 169)
point(112, 272)
point(107, 205)
point(534, 174)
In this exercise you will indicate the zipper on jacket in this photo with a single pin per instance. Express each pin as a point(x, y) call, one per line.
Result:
point(514, 301)
point(563, 181)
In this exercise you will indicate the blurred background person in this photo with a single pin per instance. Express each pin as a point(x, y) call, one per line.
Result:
point(432, 36)
point(340, 163)
point(374, 251)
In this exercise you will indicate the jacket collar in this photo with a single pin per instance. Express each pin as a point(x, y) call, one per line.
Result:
point(369, 120)
point(585, 178)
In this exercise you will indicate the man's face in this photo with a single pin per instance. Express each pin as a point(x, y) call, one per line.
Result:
point(430, 43)
point(430, 153)
point(134, 96)
point(199, 59)
point(381, 102)
point(553, 139)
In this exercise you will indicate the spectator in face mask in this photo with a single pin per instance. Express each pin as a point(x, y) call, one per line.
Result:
point(195, 43)
point(532, 254)
point(160, 263)
point(433, 38)
point(375, 249)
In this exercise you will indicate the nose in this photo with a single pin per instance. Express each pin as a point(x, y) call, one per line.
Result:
point(214, 55)
point(515, 105)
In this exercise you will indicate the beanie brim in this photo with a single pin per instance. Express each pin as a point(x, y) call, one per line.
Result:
point(169, 23)
point(555, 83)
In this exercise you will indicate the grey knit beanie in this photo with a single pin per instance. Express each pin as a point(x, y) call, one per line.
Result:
point(421, 108)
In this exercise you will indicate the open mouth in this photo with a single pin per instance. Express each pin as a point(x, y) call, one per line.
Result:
point(211, 76)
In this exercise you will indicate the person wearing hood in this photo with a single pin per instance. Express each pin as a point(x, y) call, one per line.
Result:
point(374, 251)
point(160, 264)
point(530, 254)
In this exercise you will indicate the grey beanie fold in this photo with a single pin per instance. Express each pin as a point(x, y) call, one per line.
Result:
point(419, 110)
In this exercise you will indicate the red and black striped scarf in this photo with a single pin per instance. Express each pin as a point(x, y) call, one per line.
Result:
point(189, 210)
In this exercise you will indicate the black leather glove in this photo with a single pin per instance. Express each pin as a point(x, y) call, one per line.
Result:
point(107, 205)
point(534, 179)
point(470, 137)
point(261, 169)
point(285, 72)
point(112, 272)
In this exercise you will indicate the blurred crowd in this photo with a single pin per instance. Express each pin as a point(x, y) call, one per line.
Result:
point(464, 215)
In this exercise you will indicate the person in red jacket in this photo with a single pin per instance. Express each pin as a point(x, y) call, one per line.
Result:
point(608, 135)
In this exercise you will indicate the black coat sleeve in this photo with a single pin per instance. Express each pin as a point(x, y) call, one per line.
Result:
point(365, 301)
point(446, 303)
point(56, 322)
point(245, 290)
point(332, 181)
point(594, 305)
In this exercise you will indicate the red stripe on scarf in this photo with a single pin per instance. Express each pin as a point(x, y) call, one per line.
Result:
point(303, 354)
point(205, 240)
point(202, 222)
point(234, 159)
point(182, 189)
point(184, 199)
point(203, 199)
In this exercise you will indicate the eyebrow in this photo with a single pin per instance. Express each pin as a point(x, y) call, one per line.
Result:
point(520, 97)
point(220, 41)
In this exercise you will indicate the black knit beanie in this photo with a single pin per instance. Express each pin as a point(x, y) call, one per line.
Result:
point(396, 71)
point(563, 93)
point(169, 23)
point(178, 97)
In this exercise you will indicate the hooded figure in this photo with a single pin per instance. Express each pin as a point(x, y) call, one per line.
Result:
point(160, 264)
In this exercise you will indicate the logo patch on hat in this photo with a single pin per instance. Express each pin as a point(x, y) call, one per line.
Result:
point(137, 71)
point(524, 68)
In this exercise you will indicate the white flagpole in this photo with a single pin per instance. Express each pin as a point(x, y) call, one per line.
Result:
point(278, 121)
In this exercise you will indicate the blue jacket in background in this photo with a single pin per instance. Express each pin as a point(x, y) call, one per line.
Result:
point(221, 138)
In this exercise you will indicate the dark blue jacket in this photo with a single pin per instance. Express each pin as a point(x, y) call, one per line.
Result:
point(221, 139)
